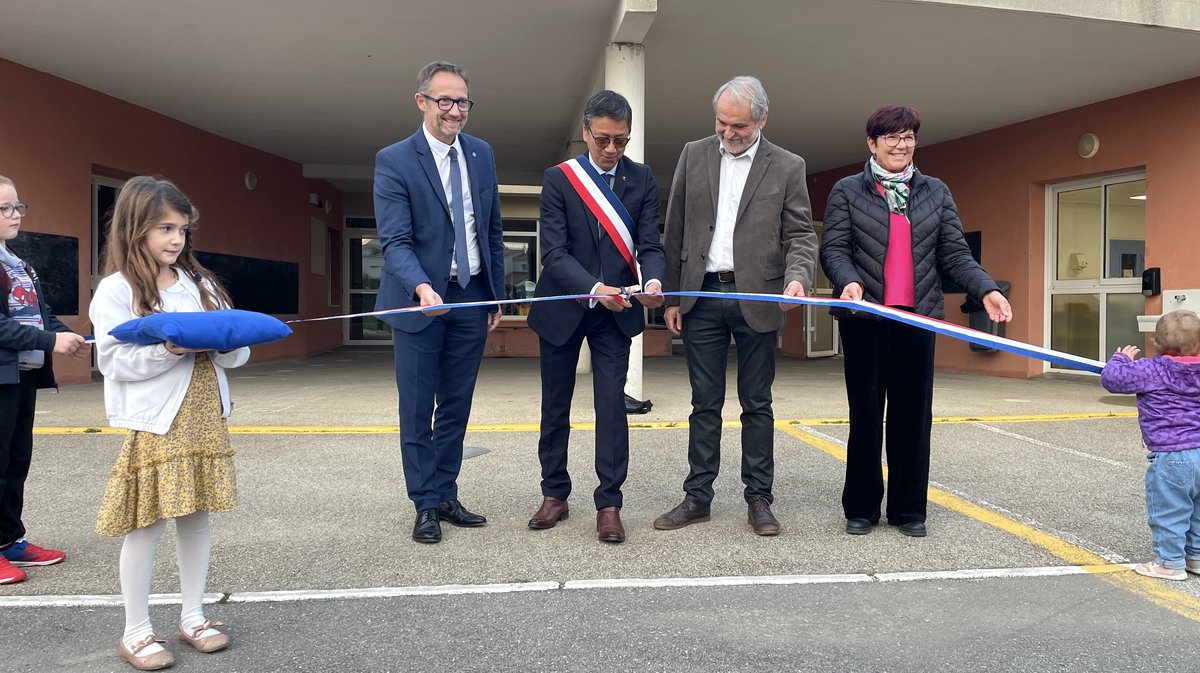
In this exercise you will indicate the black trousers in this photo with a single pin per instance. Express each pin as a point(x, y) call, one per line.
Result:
point(610, 365)
point(17, 401)
point(707, 330)
point(887, 365)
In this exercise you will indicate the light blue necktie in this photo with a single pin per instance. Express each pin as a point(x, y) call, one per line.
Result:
point(460, 221)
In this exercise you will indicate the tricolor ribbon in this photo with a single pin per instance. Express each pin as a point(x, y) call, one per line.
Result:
point(931, 324)
point(604, 205)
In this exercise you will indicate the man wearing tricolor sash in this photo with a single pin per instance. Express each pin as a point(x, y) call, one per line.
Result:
point(599, 222)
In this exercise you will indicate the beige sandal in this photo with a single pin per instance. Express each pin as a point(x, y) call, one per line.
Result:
point(1159, 572)
point(148, 662)
point(213, 643)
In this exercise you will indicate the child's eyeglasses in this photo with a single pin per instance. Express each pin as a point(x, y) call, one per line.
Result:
point(8, 209)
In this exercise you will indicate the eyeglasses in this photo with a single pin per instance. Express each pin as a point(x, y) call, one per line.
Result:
point(602, 142)
point(20, 209)
point(444, 104)
point(891, 140)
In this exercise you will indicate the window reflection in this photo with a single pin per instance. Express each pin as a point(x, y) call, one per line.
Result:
point(1075, 325)
point(520, 270)
point(366, 263)
point(1125, 229)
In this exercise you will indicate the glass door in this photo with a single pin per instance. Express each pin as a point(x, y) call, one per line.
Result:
point(364, 266)
point(1096, 255)
point(821, 334)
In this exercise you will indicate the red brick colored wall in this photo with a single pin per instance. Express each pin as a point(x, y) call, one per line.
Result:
point(55, 135)
point(999, 181)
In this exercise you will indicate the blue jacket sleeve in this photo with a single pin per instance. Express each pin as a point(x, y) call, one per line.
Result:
point(394, 222)
point(649, 245)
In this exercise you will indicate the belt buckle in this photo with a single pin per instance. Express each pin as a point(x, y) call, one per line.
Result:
point(725, 277)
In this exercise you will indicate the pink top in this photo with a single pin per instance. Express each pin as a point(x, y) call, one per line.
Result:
point(898, 283)
point(1186, 359)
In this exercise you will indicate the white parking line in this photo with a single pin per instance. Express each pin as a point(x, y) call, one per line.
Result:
point(748, 580)
point(75, 601)
point(1055, 447)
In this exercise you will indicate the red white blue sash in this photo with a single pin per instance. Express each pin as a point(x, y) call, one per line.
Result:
point(604, 205)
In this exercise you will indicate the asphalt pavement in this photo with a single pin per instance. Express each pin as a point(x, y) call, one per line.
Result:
point(1036, 507)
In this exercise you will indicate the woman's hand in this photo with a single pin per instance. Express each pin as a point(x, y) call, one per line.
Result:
point(997, 306)
point(852, 292)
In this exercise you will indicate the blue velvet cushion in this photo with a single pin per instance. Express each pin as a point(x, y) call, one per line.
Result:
point(222, 330)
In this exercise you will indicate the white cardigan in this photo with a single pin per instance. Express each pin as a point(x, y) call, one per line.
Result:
point(144, 385)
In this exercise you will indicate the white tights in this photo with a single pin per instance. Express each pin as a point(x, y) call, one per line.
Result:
point(193, 541)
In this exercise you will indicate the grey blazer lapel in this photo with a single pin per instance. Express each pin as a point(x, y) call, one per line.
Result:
point(712, 159)
point(758, 169)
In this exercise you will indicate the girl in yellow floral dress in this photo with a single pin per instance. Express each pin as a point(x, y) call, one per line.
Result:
point(177, 461)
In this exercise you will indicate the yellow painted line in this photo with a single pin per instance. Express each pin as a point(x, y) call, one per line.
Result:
point(1010, 418)
point(533, 427)
point(1036, 418)
point(1148, 588)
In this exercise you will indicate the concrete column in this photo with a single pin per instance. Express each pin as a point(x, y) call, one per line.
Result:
point(625, 73)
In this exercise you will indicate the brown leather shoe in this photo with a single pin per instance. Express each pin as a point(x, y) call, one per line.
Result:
point(761, 519)
point(686, 513)
point(550, 513)
point(608, 525)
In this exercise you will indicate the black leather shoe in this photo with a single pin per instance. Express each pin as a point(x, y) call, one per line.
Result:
point(427, 529)
point(453, 512)
point(859, 526)
point(913, 529)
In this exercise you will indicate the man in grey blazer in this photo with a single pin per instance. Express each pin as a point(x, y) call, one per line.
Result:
point(738, 220)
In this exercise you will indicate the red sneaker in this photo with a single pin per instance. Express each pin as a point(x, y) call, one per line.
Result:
point(10, 574)
point(22, 553)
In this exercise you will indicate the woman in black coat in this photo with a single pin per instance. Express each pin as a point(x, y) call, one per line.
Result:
point(888, 232)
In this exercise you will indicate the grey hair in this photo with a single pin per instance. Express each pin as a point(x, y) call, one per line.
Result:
point(425, 75)
point(743, 88)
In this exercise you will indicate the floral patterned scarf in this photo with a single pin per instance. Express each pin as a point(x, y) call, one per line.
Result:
point(895, 186)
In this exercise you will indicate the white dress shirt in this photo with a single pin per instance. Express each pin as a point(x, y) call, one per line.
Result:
point(441, 157)
point(734, 170)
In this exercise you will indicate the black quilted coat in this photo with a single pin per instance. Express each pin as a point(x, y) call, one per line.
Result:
point(854, 242)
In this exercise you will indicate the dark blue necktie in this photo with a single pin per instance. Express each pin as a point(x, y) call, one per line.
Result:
point(460, 221)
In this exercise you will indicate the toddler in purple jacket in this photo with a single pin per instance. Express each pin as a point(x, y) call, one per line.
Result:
point(1168, 401)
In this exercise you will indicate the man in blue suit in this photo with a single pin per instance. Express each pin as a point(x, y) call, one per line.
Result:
point(437, 210)
point(599, 212)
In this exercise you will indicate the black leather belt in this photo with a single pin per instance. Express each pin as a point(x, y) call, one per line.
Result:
point(722, 276)
point(453, 279)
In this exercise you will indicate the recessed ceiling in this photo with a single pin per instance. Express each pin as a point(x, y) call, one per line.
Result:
point(329, 83)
